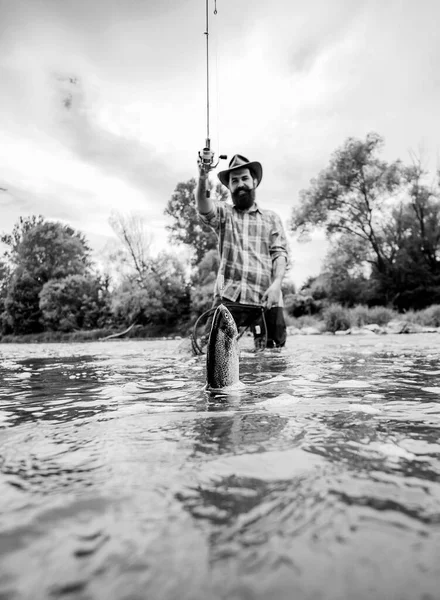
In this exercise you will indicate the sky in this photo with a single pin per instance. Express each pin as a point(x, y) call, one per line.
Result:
point(103, 102)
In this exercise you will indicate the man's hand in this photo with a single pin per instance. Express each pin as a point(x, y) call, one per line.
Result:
point(204, 163)
point(271, 296)
point(203, 173)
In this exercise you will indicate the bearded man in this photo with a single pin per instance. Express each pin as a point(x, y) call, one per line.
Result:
point(253, 248)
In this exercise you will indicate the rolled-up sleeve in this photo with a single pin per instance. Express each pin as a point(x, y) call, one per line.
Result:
point(278, 240)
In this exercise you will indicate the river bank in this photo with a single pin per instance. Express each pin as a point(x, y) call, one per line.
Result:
point(393, 327)
point(96, 335)
point(333, 320)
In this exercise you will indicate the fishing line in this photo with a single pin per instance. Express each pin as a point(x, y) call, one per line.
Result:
point(207, 72)
point(217, 79)
point(206, 155)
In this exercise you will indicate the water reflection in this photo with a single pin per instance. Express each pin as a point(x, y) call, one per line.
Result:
point(121, 477)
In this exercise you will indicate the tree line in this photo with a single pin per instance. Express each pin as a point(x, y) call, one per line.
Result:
point(48, 281)
point(382, 221)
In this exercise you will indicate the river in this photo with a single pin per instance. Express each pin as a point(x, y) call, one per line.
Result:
point(122, 478)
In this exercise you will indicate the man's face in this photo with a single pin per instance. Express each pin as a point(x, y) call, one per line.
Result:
point(242, 187)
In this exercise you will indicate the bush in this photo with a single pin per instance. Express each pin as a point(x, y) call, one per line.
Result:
point(22, 312)
point(74, 302)
point(431, 316)
point(336, 318)
point(298, 305)
point(428, 317)
point(363, 315)
point(359, 316)
point(304, 321)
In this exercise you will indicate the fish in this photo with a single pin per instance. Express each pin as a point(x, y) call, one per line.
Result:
point(222, 356)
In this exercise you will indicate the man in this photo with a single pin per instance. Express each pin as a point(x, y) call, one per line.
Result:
point(252, 244)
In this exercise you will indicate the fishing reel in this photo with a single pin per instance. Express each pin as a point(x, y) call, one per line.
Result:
point(206, 157)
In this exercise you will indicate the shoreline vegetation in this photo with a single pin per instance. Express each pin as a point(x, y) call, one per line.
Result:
point(381, 221)
point(334, 319)
point(340, 320)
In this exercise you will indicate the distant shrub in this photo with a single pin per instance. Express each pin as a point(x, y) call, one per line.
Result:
point(298, 305)
point(431, 316)
point(382, 315)
point(305, 321)
point(359, 316)
point(428, 317)
point(363, 315)
point(336, 318)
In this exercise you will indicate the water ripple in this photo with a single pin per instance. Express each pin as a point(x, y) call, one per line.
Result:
point(122, 477)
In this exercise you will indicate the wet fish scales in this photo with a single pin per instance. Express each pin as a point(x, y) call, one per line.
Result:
point(222, 359)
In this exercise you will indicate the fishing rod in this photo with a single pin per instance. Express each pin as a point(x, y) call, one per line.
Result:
point(207, 155)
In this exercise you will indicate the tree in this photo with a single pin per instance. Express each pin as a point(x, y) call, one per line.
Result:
point(350, 197)
point(47, 250)
point(346, 273)
point(74, 302)
point(136, 242)
point(39, 251)
point(163, 299)
point(4, 282)
point(22, 311)
point(14, 239)
point(374, 213)
point(187, 227)
point(203, 281)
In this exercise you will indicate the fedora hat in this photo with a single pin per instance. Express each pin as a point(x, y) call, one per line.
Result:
point(240, 162)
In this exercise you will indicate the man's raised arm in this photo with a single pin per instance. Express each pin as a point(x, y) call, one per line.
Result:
point(205, 204)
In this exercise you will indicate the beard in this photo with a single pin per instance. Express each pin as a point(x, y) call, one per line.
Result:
point(243, 198)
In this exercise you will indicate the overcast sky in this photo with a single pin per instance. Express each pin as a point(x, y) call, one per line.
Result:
point(102, 102)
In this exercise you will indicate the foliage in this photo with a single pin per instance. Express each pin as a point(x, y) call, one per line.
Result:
point(347, 196)
point(297, 305)
point(14, 239)
point(305, 321)
point(164, 297)
point(75, 302)
point(135, 242)
point(48, 250)
point(339, 318)
point(5, 276)
point(383, 222)
point(363, 315)
point(336, 318)
point(428, 317)
point(22, 311)
point(186, 227)
point(38, 251)
point(203, 281)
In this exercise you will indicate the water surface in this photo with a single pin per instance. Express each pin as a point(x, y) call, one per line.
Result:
point(120, 477)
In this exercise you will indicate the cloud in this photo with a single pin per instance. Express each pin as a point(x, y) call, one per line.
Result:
point(289, 83)
point(124, 157)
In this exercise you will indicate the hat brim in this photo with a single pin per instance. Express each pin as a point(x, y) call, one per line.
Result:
point(255, 167)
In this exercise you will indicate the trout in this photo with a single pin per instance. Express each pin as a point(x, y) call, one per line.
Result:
point(222, 351)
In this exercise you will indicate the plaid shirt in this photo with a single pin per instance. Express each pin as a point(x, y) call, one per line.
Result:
point(249, 241)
